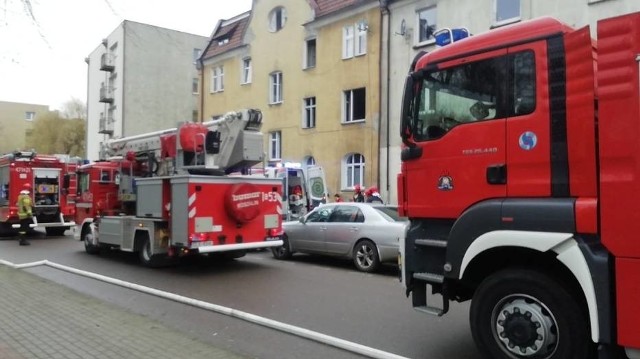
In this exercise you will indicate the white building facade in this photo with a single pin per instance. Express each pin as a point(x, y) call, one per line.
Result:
point(408, 27)
point(141, 78)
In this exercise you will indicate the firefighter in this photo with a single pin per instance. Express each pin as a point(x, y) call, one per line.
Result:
point(358, 196)
point(25, 213)
point(373, 196)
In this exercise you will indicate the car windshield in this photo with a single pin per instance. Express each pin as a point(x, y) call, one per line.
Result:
point(390, 214)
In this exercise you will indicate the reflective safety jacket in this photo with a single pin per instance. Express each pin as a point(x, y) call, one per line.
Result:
point(24, 206)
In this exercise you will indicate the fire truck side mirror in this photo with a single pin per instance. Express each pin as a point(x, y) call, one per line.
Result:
point(66, 180)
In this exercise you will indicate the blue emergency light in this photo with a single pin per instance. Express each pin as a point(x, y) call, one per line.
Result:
point(447, 36)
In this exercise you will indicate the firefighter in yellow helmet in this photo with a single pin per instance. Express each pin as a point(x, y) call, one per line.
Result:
point(25, 213)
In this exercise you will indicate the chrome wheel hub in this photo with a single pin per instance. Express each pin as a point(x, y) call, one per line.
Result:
point(525, 327)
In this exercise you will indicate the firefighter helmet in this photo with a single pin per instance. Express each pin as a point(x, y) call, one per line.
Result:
point(357, 188)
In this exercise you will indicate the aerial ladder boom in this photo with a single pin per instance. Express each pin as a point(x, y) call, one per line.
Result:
point(221, 145)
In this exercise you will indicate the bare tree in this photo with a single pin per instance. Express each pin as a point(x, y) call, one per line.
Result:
point(74, 109)
point(54, 134)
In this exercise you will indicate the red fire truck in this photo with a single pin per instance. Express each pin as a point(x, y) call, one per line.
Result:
point(52, 179)
point(167, 194)
point(521, 174)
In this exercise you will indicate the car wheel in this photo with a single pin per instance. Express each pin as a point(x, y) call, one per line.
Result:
point(526, 314)
point(89, 247)
point(365, 256)
point(283, 251)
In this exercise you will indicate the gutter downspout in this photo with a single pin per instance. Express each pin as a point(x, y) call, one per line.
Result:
point(386, 12)
point(201, 84)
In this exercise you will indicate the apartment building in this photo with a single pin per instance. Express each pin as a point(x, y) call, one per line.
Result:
point(141, 78)
point(312, 68)
point(16, 124)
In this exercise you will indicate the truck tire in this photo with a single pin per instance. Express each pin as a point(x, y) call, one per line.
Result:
point(150, 260)
point(55, 231)
point(519, 313)
point(89, 247)
point(365, 256)
point(283, 251)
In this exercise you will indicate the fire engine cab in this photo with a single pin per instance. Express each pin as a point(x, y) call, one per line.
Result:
point(167, 194)
point(52, 181)
point(520, 176)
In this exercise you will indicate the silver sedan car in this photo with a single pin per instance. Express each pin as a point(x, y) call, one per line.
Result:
point(367, 233)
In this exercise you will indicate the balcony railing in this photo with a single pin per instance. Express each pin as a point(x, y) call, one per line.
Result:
point(107, 62)
point(106, 125)
point(106, 94)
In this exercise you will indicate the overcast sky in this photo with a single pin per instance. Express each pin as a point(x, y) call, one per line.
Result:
point(43, 43)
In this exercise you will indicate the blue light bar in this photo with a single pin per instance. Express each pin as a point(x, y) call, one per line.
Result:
point(447, 36)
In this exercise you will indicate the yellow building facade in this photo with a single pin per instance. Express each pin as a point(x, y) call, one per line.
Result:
point(312, 68)
point(16, 124)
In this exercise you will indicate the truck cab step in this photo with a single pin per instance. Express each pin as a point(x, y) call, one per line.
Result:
point(431, 310)
point(429, 277)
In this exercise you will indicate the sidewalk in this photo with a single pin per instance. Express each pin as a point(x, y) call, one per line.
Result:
point(44, 320)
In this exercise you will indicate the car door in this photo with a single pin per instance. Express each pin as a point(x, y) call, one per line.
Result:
point(343, 229)
point(309, 235)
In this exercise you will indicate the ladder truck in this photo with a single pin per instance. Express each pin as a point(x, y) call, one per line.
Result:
point(167, 194)
point(520, 175)
point(52, 182)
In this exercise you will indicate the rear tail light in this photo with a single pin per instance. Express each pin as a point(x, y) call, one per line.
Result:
point(274, 232)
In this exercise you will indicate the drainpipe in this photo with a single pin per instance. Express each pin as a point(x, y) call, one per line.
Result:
point(201, 84)
point(386, 12)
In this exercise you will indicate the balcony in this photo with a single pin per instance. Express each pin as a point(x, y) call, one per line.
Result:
point(107, 63)
point(106, 94)
point(106, 124)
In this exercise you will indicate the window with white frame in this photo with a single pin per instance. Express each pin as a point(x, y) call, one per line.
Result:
point(195, 86)
point(310, 53)
point(309, 112)
point(275, 145)
point(347, 42)
point(361, 38)
point(217, 79)
point(353, 170)
point(506, 11)
point(309, 161)
point(427, 25)
point(29, 115)
point(246, 70)
point(275, 88)
point(196, 55)
point(354, 105)
point(277, 19)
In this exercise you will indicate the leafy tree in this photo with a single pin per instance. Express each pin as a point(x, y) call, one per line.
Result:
point(54, 132)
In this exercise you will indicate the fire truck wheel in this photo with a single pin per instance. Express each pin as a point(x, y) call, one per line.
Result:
point(520, 313)
point(283, 251)
point(365, 256)
point(146, 258)
point(89, 247)
point(55, 231)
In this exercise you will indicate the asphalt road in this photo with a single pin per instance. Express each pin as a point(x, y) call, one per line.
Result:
point(323, 295)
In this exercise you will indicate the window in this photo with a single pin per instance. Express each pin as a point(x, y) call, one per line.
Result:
point(354, 105)
point(217, 79)
point(347, 214)
point(483, 90)
point(426, 25)
point(309, 161)
point(246, 70)
point(277, 19)
point(361, 39)
point(347, 42)
point(196, 55)
point(29, 115)
point(309, 113)
point(506, 11)
point(275, 145)
point(275, 88)
point(195, 86)
point(223, 41)
point(310, 54)
point(353, 170)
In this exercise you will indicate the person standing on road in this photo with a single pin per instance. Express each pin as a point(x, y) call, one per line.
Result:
point(25, 213)
point(373, 196)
